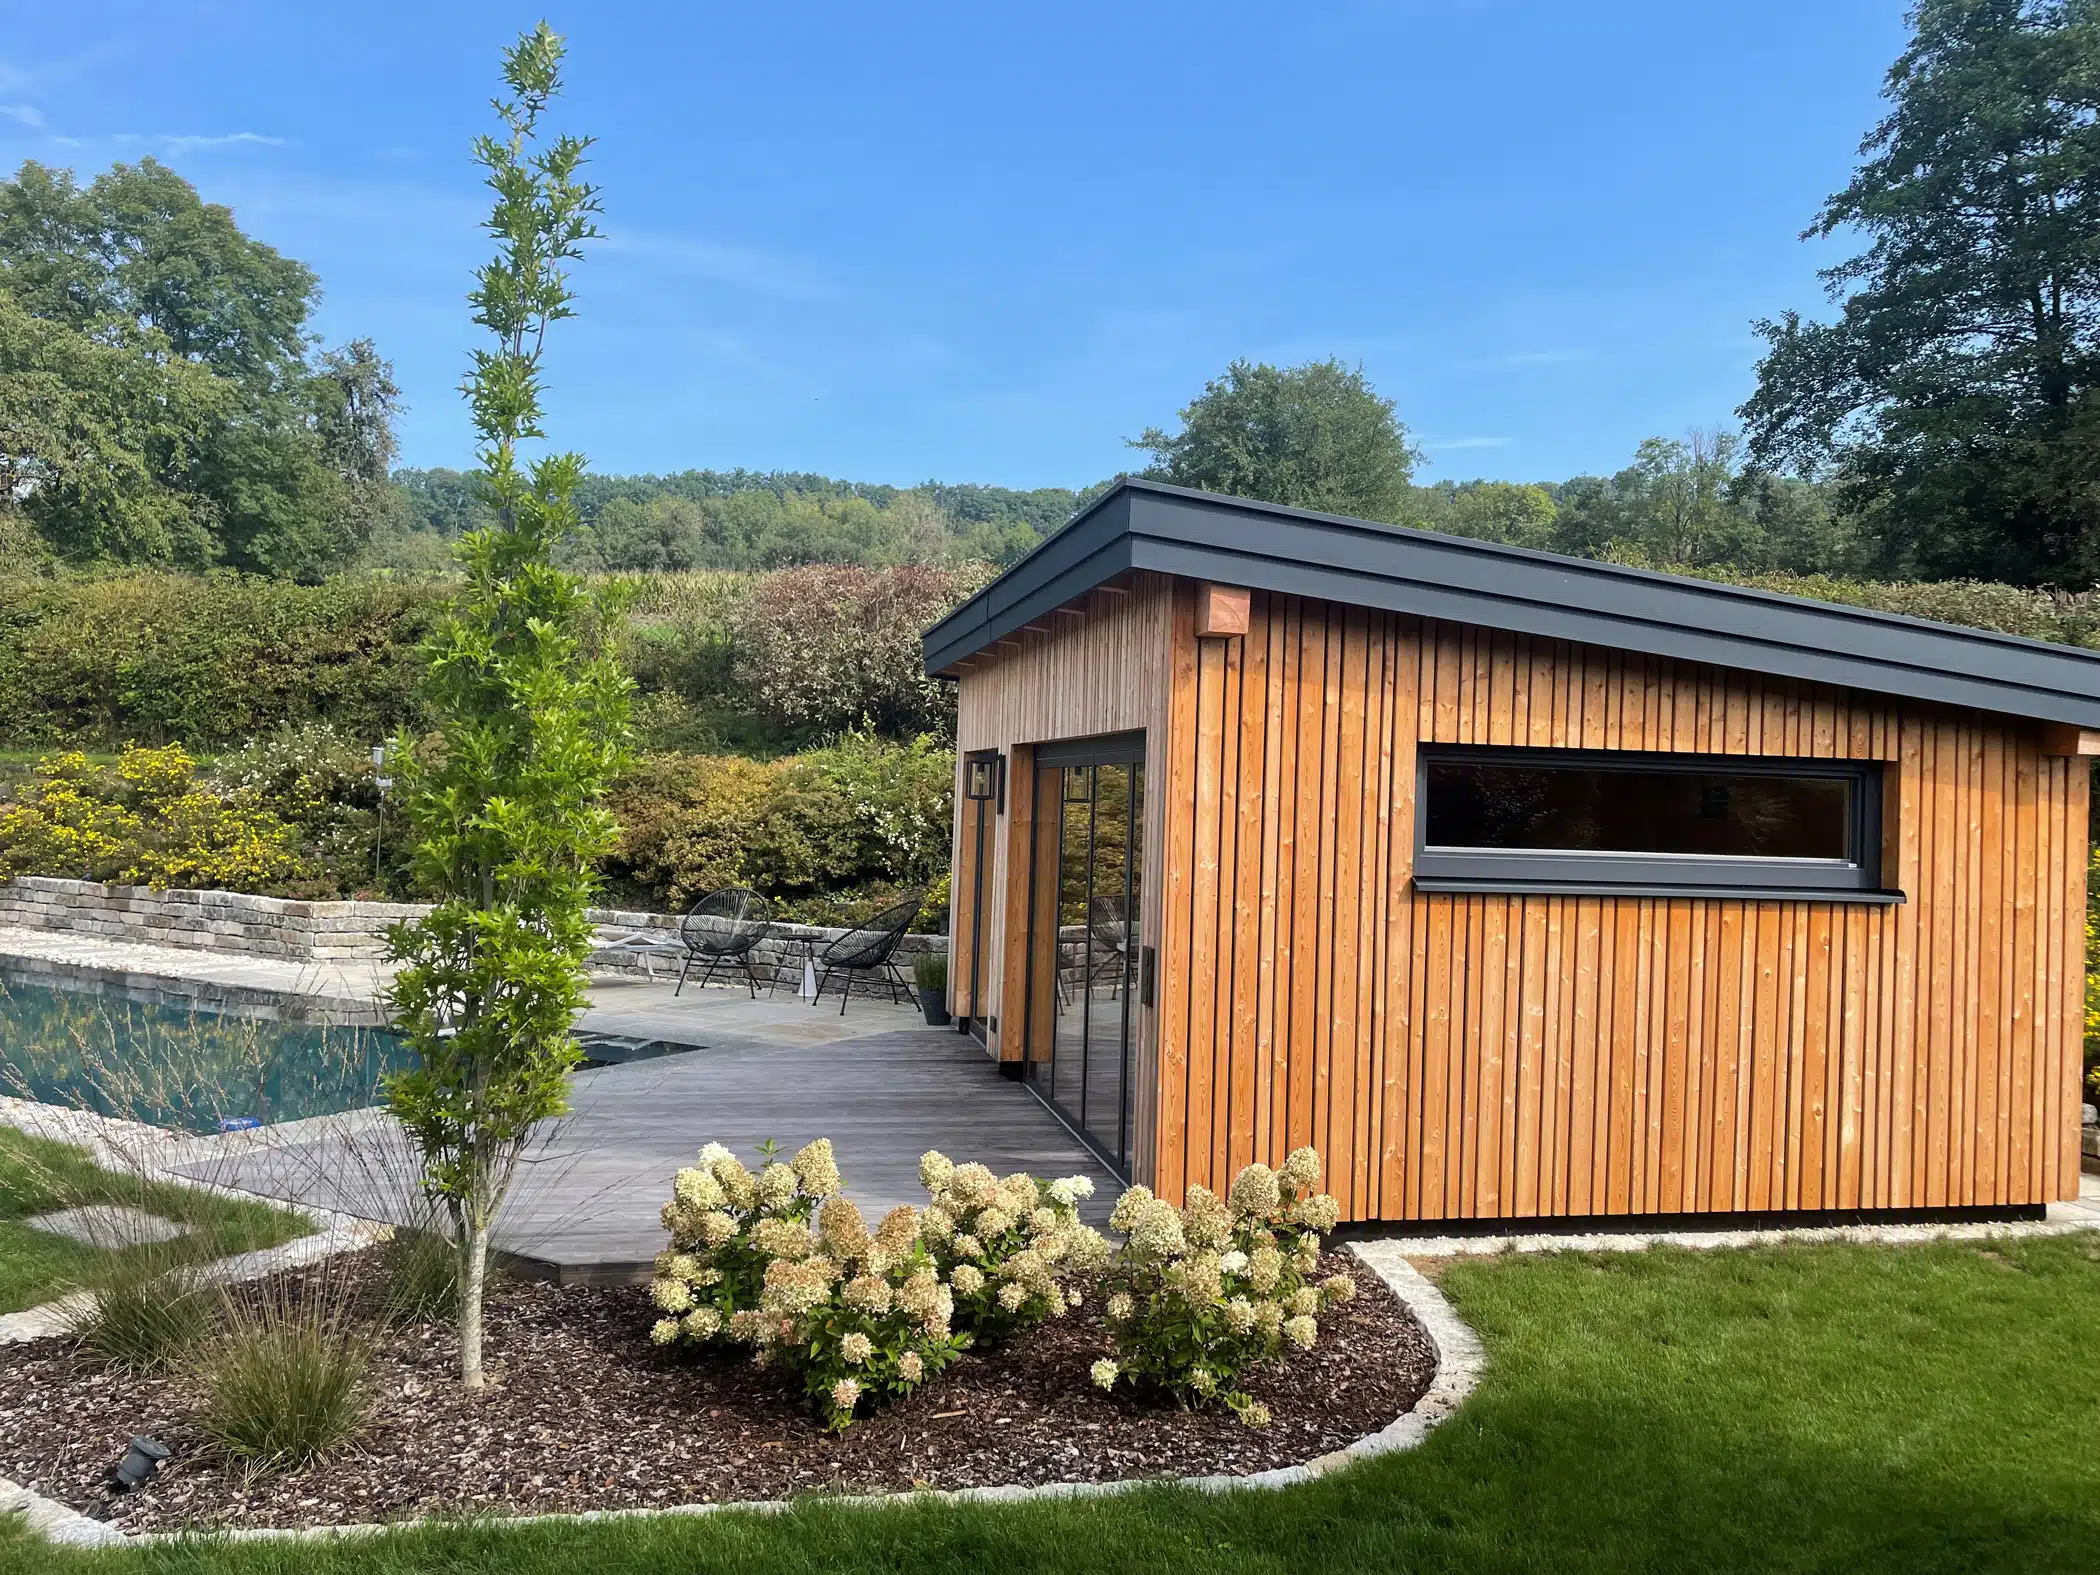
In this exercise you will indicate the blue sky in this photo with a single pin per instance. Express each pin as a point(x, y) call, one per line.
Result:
point(987, 243)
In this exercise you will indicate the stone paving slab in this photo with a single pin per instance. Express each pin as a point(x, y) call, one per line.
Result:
point(107, 1225)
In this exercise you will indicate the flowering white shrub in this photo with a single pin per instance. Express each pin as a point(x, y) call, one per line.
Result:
point(1007, 1246)
point(782, 1263)
point(1201, 1294)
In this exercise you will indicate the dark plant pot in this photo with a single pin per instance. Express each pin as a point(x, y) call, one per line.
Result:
point(934, 1003)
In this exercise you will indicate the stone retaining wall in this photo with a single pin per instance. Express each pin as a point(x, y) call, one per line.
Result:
point(229, 921)
point(220, 921)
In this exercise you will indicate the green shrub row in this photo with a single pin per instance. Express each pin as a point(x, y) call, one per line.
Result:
point(742, 663)
point(205, 660)
point(828, 835)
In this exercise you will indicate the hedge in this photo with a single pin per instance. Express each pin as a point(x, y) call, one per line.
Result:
point(205, 660)
point(759, 664)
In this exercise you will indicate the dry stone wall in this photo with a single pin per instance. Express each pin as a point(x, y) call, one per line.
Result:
point(228, 921)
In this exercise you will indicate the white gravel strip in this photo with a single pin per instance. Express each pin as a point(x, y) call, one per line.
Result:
point(1460, 1361)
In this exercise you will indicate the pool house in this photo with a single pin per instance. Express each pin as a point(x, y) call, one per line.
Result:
point(1521, 886)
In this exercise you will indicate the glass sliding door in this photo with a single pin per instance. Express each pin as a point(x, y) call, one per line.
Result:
point(1086, 892)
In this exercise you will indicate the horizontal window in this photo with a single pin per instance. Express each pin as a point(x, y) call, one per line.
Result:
point(1523, 819)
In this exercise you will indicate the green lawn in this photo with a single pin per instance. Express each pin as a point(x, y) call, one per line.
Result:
point(1813, 1408)
point(38, 1175)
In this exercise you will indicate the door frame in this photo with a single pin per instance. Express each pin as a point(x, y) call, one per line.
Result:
point(1108, 749)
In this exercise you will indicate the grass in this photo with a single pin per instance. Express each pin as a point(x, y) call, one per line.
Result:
point(38, 1175)
point(1913, 1409)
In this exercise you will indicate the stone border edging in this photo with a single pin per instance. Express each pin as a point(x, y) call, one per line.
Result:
point(1460, 1361)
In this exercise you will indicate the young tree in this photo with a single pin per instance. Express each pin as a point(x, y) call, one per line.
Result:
point(530, 713)
point(1316, 436)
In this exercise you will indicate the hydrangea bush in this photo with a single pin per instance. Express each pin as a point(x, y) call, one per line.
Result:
point(780, 1262)
point(1007, 1247)
point(1200, 1295)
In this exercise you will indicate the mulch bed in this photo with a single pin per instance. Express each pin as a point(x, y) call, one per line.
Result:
point(588, 1415)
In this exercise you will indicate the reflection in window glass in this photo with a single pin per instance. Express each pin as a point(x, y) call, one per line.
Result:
point(1588, 808)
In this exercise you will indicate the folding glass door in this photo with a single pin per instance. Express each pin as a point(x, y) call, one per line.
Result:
point(1086, 891)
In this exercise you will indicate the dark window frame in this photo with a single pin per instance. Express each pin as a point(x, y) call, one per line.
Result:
point(1555, 872)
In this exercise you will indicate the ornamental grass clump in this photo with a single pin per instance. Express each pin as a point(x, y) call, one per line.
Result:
point(781, 1263)
point(1201, 1295)
point(1006, 1246)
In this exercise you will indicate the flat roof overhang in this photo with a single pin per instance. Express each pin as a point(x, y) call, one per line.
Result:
point(1235, 541)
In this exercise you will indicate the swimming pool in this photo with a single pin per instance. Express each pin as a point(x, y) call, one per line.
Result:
point(181, 1065)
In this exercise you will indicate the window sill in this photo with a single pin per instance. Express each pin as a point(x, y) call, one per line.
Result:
point(1483, 886)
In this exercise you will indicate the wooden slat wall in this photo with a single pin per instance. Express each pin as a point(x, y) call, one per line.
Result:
point(1505, 1056)
point(1098, 666)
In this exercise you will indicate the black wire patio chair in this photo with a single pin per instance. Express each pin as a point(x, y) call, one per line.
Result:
point(1109, 927)
point(724, 927)
point(870, 949)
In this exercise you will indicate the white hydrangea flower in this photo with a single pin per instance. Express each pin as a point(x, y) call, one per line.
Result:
point(702, 1323)
point(967, 1279)
point(911, 1367)
point(1301, 1331)
point(664, 1330)
point(1203, 1381)
point(1011, 1296)
point(1255, 1193)
point(776, 1187)
point(1129, 1207)
point(697, 1189)
point(817, 1169)
point(936, 1170)
point(713, 1154)
point(1254, 1414)
point(1301, 1168)
point(1233, 1262)
point(1120, 1306)
point(968, 1247)
point(672, 1296)
point(1104, 1373)
point(1338, 1288)
point(845, 1395)
point(993, 1222)
point(856, 1348)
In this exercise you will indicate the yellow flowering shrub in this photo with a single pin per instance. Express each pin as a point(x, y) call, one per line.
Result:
point(1007, 1247)
point(1201, 1294)
point(781, 1262)
point(146, 821)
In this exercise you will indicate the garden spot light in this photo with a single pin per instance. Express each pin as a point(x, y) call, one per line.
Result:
point(145, 1457)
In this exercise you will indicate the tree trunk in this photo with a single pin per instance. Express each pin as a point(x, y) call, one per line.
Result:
point(473, 1278)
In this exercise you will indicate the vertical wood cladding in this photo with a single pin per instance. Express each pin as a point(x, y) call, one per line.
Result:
point(1101, 665)
point(1459, 1056)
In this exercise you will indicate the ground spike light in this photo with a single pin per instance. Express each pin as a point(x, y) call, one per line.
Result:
point(144, 1458)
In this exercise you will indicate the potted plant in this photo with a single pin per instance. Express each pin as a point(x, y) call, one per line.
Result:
point(929, 970)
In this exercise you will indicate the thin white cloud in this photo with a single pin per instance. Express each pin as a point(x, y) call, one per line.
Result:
point(1467, 442)
point(170, 142)
point(24, 114)
point(741, 267)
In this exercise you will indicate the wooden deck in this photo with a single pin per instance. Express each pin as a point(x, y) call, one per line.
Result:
point(585, 1205)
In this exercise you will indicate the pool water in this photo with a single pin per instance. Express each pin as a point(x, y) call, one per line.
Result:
point(180, 1065)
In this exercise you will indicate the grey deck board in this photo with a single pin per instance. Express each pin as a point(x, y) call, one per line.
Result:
point(586, 1202)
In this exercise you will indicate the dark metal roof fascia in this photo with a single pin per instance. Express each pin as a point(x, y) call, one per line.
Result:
point(1201, 536)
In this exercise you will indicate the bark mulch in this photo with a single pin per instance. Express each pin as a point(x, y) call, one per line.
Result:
point(587, 1414)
